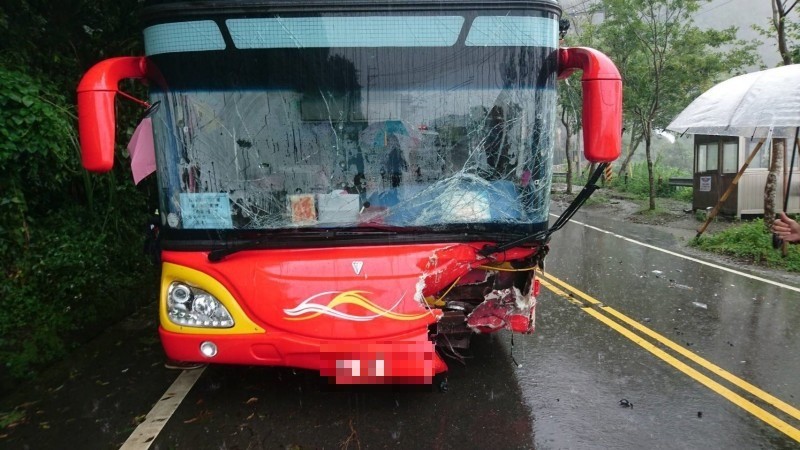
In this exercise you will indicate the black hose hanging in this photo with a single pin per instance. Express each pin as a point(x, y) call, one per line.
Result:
point(562, 220)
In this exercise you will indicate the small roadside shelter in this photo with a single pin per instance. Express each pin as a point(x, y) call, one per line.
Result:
point(717, 159)
point(761, 106)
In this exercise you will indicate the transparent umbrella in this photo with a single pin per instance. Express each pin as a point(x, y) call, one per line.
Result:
point(761, 104)
point(747, 105)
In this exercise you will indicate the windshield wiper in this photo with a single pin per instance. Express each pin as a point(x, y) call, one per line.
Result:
point(562, 220)
point(324, 234)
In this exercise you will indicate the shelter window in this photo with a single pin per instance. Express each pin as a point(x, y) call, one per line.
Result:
point(730, 157)
point(707, 157)
point(702, 150)
point(712, 160)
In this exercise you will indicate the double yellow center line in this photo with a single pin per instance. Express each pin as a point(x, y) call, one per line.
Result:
point(604, 314)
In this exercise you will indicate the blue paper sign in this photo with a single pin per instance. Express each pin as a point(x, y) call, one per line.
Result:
point(206, 211)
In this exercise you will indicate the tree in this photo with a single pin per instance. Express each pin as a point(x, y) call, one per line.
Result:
point(66, 239)
point(780, 13)
point(771, 185)
point(569, 100)
point(60, 40)
point(635, 139)
point(665, 61)
point(569, 103)
point(785, 33)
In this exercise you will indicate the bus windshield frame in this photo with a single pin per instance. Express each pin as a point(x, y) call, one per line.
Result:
point(423, 121)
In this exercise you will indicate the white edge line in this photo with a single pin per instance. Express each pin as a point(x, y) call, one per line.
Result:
point(699, 261)
point(147, 431)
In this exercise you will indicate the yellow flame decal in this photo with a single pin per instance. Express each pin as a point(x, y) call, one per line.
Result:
point(309, 310)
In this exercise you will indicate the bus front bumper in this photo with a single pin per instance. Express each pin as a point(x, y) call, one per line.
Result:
point(409, 359)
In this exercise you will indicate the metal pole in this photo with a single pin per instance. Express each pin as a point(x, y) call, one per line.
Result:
point(791, 170)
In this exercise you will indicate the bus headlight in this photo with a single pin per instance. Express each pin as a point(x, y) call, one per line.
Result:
point(192, 307)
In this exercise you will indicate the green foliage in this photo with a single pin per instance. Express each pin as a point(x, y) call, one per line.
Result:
point(14, 416)
point(793, 35)
point(664, 59)
point(637, 182)
point(678, 154)
point(73, 277)
point(31, 125)
point(569, 90)
point(75, 33)
point(35, 156)
point(791, 24)
point(70, 242)
point(751, 242)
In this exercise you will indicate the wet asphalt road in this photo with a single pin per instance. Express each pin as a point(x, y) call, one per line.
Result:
point(561, 387)
point(579, 369)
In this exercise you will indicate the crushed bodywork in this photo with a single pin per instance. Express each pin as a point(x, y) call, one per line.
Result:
point(478, 294)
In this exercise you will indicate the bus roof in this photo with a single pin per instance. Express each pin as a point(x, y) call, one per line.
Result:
point(156, 10)
point(344, 3)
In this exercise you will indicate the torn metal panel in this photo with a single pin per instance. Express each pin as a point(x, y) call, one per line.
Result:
point(451, 263)
point(504, 309)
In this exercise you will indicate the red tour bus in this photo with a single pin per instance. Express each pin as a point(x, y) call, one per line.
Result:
point(354, 187)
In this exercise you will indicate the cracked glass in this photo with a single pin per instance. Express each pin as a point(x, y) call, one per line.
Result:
point(404, 120)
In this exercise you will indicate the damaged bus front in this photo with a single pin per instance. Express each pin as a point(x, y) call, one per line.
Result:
point(353, 187)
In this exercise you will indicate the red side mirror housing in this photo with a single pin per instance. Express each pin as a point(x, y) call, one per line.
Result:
point(602, 101)
point(96, 115)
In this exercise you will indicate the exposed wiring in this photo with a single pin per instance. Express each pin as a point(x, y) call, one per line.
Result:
point(565, 217)
point(514, 360)
point(441, 299)
point(451, 352)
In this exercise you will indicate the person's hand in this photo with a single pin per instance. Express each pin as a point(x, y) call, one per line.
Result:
point(786, 228)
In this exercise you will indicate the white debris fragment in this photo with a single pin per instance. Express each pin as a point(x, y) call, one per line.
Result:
point(700, 305)
point(523, 301)
point(657, 272)
point(418, 296)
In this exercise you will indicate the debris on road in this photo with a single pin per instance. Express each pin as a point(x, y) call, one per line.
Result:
point(674, 284)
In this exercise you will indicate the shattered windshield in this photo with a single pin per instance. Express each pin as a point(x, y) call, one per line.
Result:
point(343, 121)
